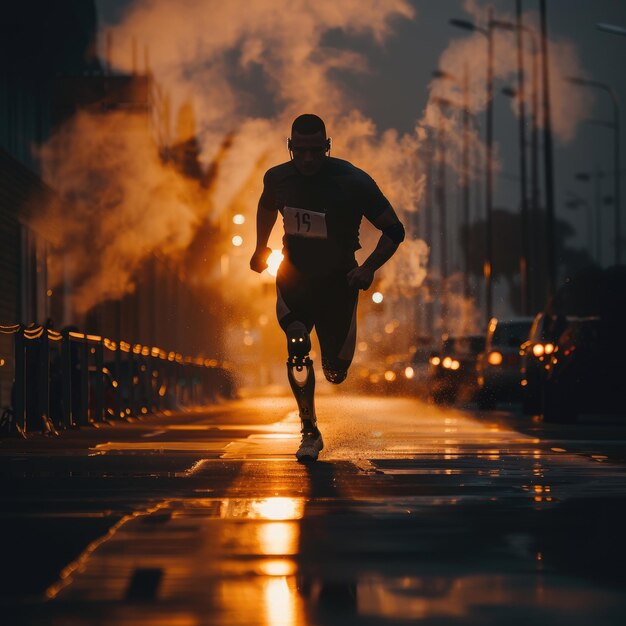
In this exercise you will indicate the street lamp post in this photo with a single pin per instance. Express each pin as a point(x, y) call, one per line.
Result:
point(443, 103)
point(465, 167)
point(594, 84)
point(596, 176)
point(575, 201)
point(519, 28)
point(487, 267)
point(548, 153)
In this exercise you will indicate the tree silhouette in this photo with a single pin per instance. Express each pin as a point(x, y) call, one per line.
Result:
point(507, 250)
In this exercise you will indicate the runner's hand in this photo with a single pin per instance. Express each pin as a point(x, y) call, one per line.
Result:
point(360, 278)
point(258, 262)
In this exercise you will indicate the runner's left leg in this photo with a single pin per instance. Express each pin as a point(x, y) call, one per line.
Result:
point(336, 327)
point(293, 308)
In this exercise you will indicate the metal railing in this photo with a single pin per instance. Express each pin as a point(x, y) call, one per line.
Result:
point(70, 379)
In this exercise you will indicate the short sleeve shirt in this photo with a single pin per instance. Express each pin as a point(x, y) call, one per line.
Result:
point(322, 213)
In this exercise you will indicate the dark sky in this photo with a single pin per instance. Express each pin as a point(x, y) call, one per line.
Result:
point(394, 92)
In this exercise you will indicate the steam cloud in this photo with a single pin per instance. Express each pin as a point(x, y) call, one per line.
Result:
point(204, 53)
point(200, 52)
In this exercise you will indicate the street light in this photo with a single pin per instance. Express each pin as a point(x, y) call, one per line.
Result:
point(464, 84)
point(443, 103)
point(611, 28)
point(575, 202)
point(519, 94)
point(594, 84)
point(596, 176)
point(487, 268)
point(488, 33)
point(548, 153)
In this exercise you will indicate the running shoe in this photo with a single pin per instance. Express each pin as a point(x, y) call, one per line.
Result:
point(310, 446)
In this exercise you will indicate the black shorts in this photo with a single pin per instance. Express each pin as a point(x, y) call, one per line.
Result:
point(325, 302)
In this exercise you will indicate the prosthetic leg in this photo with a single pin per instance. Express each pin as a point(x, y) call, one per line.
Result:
point(302, 381)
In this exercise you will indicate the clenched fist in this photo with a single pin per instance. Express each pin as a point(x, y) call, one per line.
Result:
point(258, 262)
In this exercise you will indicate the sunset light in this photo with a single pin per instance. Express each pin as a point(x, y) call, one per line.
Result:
point(273, 262)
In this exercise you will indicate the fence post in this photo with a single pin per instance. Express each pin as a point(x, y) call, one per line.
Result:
point(41, 419)
point(131, 382)
point(84, 383)
point(18, 402)
point(99, 415)
point(118, 378)
point(66, 379)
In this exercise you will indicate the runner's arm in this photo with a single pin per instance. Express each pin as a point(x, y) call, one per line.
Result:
point(362, 277)
point(265, 220)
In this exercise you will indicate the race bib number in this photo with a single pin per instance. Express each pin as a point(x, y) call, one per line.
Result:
point(304, 223)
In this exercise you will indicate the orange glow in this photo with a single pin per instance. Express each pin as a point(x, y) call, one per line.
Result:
point(455, 365)
point(435, 360)
point(238, 219)
point(237, 241)
point(280, 601)
point(549, 348)
point(377, 297)
point(409, 372)
point(273, 262)
point(538, 349)
point(390, 376)
point(278, 567)
point(494, 358)
point(279, 538)
point(447, 362)
point(277, 508)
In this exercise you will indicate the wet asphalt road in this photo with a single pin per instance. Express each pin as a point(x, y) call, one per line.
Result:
point(413, 514)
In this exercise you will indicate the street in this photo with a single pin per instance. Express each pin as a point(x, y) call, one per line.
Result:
point(413, 513)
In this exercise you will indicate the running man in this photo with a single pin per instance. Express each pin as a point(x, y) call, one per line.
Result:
point(322, 200)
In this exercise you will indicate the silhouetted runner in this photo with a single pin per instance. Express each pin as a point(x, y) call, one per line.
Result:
point(322, 200)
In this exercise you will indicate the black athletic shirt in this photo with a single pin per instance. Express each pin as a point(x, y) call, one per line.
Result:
point(322, 213)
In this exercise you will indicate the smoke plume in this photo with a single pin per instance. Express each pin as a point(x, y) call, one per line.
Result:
point(205, 57)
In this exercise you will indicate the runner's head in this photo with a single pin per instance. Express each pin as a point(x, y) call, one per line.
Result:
point(308, 144)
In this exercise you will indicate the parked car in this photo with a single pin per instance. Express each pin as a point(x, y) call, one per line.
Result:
point(536, 353)
point(498, 367)
point(453, 369)
point(586, 371)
